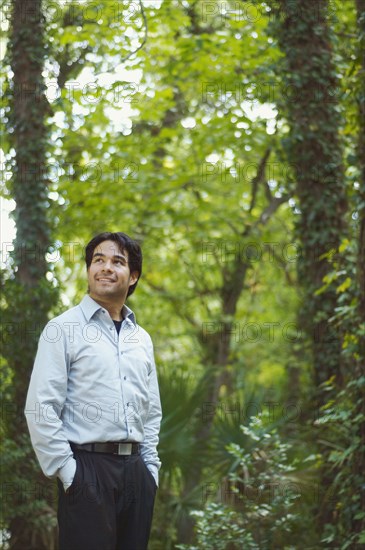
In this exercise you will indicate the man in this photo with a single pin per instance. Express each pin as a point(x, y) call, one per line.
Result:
point(93, 407)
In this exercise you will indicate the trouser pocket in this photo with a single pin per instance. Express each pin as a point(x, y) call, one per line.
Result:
point(149, 473)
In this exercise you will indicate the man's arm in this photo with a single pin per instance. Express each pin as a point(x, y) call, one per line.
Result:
point(153, 422)
point(45, 400)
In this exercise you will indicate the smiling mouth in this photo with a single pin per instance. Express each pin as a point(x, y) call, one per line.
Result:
point(105, 280)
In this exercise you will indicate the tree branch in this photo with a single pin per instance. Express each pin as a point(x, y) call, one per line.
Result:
point(259, 178)
point(68, 67)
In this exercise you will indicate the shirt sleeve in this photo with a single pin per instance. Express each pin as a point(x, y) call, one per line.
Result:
point(153, 422)
point(45, 400)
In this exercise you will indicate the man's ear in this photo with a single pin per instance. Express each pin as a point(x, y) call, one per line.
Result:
point(133, 277)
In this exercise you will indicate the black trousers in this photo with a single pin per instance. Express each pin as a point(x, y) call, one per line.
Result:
point(109, 505)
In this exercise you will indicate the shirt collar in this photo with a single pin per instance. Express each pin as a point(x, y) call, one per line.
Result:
point(128, 314)
point(90, 307)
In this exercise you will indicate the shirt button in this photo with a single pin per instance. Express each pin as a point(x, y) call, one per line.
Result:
point(125, 378)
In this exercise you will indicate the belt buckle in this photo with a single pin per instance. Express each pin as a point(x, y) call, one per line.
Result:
point(124, 448)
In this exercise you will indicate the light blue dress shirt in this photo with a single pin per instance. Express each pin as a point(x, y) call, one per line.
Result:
point(89, 385)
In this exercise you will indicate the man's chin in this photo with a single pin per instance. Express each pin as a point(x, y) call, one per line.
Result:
point(107, 292)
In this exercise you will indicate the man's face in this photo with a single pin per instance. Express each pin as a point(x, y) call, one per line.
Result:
point(109, 276)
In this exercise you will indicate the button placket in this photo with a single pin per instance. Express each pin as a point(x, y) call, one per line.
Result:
point(122, 377)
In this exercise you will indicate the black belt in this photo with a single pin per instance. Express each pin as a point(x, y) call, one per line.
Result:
point(111, 447)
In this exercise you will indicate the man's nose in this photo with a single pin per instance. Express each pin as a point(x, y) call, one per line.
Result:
point(108, 266)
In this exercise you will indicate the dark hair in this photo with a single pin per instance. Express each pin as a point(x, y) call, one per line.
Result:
point(124, 242)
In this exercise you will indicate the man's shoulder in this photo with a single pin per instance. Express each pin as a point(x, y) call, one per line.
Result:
point(73, 314)
point(143, 332)
point(63, 324)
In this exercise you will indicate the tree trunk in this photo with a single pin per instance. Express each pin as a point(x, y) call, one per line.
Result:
point(359, 522)
point(361, 161)
point(313, 146)
point(30, 499)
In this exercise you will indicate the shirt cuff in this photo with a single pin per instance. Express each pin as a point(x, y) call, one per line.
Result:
point(67, 473)
point(154, 471)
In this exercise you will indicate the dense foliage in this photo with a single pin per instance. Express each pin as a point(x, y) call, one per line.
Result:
point(228, 138)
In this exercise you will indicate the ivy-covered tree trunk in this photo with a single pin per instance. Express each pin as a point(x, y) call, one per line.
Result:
point(29, 498)
point(314, 148)
point(361, 161)
point(359, 413)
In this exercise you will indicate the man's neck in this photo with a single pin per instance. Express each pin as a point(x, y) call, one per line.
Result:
point(114, 309)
